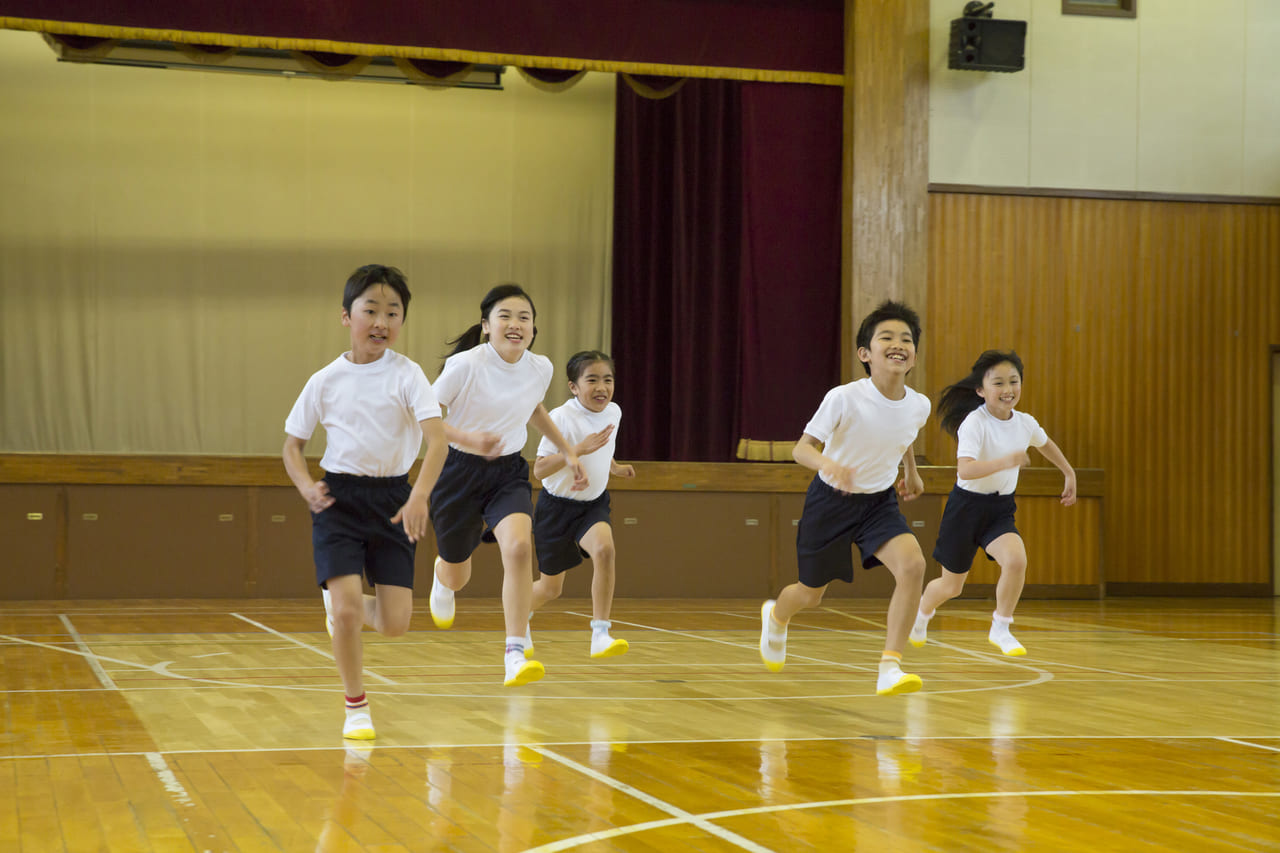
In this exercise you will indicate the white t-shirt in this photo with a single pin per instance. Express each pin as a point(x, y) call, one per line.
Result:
point(484, 393)
point(866, 431)
point(983, 436)
point(576, 422)
point(371, 414)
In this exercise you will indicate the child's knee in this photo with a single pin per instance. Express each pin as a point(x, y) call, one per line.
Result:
point(552, 585)
point(602, 553)
point(395, 627)
point(517, 553)
point(910, 569)
point(811, 596)
point(1015, 566)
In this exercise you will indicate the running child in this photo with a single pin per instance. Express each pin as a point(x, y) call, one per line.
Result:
point(376, 406)
point(492, 388)
point(569, 525)
point(992, 440)
point(855, 442)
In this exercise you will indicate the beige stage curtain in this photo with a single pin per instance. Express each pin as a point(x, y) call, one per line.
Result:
point(173, 244)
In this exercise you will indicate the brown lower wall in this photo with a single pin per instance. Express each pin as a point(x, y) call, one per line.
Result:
point(92, 541)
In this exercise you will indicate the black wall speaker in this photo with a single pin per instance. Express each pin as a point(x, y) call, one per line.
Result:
point(987, 44)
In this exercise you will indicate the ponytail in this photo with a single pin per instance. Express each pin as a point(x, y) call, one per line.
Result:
point(472, 337)
point(957, 401)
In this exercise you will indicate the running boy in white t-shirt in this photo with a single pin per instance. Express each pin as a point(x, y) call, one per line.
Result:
point(376, 407)
point(567, 524)
point(855, 442)
point(992, 446)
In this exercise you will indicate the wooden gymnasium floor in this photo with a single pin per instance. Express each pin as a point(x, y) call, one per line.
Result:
point(1131, 725)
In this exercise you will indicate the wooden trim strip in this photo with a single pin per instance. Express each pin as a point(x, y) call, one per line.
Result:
point(763, 477)
point(1189, 590)
point(1113, 195)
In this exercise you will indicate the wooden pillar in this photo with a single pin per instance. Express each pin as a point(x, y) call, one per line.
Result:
point(886, 167)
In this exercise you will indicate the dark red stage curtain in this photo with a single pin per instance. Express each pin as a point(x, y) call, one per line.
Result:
point(726, 269)
point(794, 35)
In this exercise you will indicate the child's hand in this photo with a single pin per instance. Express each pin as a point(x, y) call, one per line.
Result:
point(317, 496)
point(594, 442)
point(1069, 490)
point(579, 473)
point(910, 487)
point(414, 515)
point(623, 470)
point(841, 477)
point(1020, 459)
point(486, 444)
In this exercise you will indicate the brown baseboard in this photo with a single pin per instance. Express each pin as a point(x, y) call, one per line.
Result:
point(1038, 590)
point(1189, 590)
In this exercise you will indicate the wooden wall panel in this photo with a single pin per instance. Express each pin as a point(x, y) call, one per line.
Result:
point(30, 530)
point(1063, 545)
point(1146, 328)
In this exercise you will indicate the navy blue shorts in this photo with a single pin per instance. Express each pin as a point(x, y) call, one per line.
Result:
point(558, 527)
point(832, 524)
point(969, 522)
point(472, 496)
point(355, 535)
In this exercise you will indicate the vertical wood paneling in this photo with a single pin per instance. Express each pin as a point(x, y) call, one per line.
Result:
point(1146, 328)
point(1063, 544)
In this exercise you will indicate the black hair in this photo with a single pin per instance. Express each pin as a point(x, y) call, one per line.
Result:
point(474, 336)
point(958, 400)
point(887, 310)
point(370, 275)
point(580, 361)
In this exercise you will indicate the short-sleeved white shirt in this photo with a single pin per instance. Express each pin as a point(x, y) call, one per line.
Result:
point(485, 393)
point(983, 436)
point(866, 431)
point(371, 414)
point(576, 422)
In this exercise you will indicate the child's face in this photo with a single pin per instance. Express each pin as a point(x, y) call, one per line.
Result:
point(892, 351)
point(1001, 389)
point(375, 320)
point(594, 388)
point(510, 327)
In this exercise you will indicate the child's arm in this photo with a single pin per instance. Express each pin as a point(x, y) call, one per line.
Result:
point(315, 493)
point(545, 466)
point(968, 468)
point(808, 454)
point(1051, 452)
point(541, 421)
point(481, 442)
point(414, 513)
point(911, 486)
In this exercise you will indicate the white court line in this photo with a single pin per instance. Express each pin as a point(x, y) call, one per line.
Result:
point(168, 778)
point(754, 648)
point(218, 654)
point(1247, 743)
point(103, 678)
point(680, 815)
point(374, 675)
point(578, 841)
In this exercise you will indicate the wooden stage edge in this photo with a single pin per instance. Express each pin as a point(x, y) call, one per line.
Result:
point(176, 470)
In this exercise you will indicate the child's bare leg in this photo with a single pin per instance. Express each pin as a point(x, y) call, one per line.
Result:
point(515, 540)
point(391, 609)
point(454, 576)
point(794, 598)
point(346, 597)
point(1011, 554)
point(599, 544)
point(901, 555)
point(545, 588)
point(939, 590)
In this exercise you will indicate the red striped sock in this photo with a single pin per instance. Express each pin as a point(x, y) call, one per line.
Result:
point(356, 703)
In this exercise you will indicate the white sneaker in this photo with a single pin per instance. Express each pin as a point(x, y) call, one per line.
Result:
point(441, 603)
point(521, 671)
point(528, 641)
point(604, 646)
point(328, 612)
point(893, 680)
point(920, 630)
point(773, 640)
point(359, 725)
point(1002, 638)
